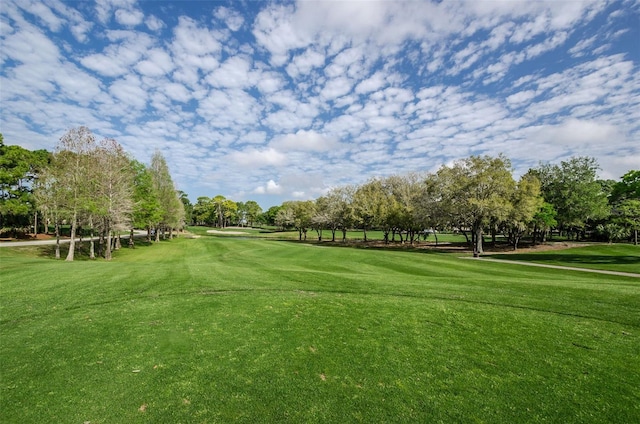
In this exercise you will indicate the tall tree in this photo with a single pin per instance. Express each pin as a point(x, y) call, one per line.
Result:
point(478, 191)
point(19, 169)
point(370, 205)
point(625, 198)
point(171, 208)
point(252, 211)
point(627, 188)
point(188, 207)
point(526, 201)
point(71, 171)
point(574, 192)
point(203, 211)
point(146, 206)
point(114, 189)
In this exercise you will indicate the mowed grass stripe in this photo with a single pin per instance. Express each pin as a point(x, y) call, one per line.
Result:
point(220, 330)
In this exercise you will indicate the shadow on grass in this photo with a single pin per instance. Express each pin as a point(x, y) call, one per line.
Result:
point(421, 247)
point(82, 250)
point(574, 259)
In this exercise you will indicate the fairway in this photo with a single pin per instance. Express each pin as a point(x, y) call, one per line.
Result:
point(225, 329)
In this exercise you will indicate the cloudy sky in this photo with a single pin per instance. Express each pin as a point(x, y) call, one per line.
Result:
point(274, 101)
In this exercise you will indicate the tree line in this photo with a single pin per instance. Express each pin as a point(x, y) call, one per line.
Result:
point(93, 187)
point(479, 197)
point(97, 187)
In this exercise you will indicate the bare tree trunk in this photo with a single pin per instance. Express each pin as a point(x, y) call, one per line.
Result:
point(92, 251)
point(477, 251)
point(118, 242)
point(57, 240)
point(131, 243)
point(72, 241)
point(35, 223)
point(157, 234)
point(107, 252)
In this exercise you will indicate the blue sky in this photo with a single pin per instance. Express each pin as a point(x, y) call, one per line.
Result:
point(274, 101)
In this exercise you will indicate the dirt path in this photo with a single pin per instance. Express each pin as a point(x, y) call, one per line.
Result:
point(567, 268)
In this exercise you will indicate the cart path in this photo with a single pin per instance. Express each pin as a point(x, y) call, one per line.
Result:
point(566, 268)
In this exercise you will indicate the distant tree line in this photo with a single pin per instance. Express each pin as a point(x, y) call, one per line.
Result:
point(221, 212)
point(479, 197)
point(94, 188)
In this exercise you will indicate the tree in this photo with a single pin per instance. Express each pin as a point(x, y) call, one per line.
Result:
point(321, 218)
point(114, 189)
point(252, 211)
point(627, 214)
point(574, 192)
point(477, 191)
point(19, 169)
point(543, 220)
point(203, 213)
point(269, 217)
point(370, 205)
point(188, 207)
point(218, 203)
point(70, 171)
point(302, 211)
point(526, 201)
point(627, 188)
point(230, 212)
point(339, 210)
point(285, 216)
point(171, 208)
point(146, 205)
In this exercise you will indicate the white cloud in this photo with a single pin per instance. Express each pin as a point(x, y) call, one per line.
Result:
point(305, 141)
point(271, 187)
point(154, 23)
point(129, 91)
point(232, 19)
point(255, 158)
point(129, 17)
point(575, 133)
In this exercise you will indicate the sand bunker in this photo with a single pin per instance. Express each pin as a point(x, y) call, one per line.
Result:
point(230, 233)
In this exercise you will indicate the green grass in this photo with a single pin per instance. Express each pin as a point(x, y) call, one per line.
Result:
point(221, 329)
point(617, 257)
point(352, 235)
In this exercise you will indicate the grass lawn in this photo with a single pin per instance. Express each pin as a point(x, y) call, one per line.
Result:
point(222, 329)
point(617, 257)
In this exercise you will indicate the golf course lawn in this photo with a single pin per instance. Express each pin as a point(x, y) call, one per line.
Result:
point(222, 329)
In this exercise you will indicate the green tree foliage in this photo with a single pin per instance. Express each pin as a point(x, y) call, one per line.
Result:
point(171, 207)
point(299, 214)
point(72, 173)
point(526, 201)
point(146, 205)
point(188, 207)
point(269, 217)
point(543, 220)
point(574, 192)
point(371, 204)
point(479, 190)
point(627, 188)
point(251, 210)
point(19, 168)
